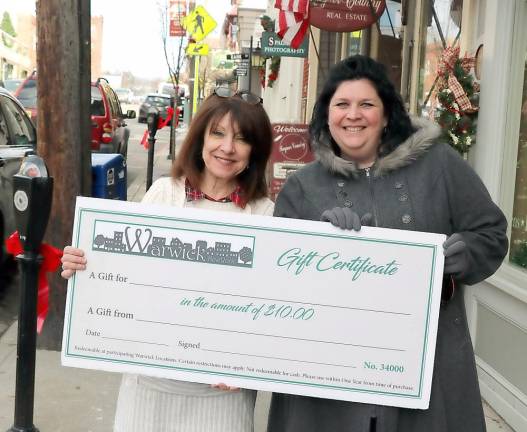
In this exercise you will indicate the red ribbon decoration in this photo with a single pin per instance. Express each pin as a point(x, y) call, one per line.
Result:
point(51, 262)
point(160, 125)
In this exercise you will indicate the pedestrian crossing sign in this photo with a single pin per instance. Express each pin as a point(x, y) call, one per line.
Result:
point(199, 49)
point(199, 23)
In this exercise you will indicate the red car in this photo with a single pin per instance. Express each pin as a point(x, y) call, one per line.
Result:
point(109, 131)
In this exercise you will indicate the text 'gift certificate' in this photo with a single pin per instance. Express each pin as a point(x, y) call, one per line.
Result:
point(257, 302)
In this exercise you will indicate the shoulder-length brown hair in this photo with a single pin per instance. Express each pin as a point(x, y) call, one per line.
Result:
point(254, 125)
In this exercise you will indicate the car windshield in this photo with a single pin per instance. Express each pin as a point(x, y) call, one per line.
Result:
point(12, 85)
point(28, 94)
point(97, 104)
point(158, 100)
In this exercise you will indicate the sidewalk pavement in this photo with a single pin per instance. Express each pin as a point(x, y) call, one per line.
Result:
point(80, 400)
point(162, 165)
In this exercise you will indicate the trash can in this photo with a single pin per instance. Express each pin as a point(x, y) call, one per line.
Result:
point(108, 176)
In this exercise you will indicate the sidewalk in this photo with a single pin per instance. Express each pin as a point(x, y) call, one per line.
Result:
point(162, 165)
point(69, 399)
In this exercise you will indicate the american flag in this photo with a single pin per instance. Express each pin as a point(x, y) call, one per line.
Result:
point(293, 21)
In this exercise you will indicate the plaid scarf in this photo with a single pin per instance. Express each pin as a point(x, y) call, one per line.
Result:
point(194, 194)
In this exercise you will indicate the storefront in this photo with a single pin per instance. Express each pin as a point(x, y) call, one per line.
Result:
point(410, 42)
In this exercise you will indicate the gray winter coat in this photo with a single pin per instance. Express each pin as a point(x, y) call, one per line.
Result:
point(422, 185)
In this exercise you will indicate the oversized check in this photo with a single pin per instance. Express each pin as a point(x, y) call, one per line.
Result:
point(257, 302)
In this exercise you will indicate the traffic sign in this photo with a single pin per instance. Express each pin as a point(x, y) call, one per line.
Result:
point(199, 49)
point(238, 56)
point(199, 23)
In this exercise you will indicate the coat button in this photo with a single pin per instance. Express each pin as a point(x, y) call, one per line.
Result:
point(406, 219)
point(457, 321)
point(343, 194)
point(348, 203)
point(398, 185)
point(340, 183)
point(403, 197)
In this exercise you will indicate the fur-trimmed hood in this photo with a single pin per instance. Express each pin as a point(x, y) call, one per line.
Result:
point(416, 145)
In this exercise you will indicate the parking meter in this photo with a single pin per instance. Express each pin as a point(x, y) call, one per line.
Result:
point(32, 196)
point(152, 121)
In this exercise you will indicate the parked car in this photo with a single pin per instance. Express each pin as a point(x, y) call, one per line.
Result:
point(17, 136)
point(109, 131)
point(26, 93)
point(160, 101)
point(125, 95)
point(11, 84)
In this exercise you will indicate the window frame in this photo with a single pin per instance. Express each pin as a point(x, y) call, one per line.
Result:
point(510, 278)
point(5, 100)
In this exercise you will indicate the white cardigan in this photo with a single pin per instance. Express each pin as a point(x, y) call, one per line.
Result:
point(149, 404)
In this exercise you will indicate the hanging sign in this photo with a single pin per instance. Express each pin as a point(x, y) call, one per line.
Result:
point(177, 11)
point(273, 46)
point(345, 15)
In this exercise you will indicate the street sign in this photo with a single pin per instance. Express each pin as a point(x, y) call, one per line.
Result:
point(238, 56)
point(199, 23)
point(176, 13)
point(199, 49)
point(240, 72)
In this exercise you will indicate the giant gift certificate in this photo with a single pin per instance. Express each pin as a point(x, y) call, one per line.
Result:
point(266, 303)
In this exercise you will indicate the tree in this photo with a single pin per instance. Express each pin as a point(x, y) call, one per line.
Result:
point(7, 27)
point(246, 255)
point(99, 241)
point(174, 64)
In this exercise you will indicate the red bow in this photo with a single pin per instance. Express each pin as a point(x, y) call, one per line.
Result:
point(51, 261)
point(160, 125)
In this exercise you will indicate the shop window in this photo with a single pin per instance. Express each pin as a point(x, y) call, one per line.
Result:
point(442, 19)
point(518, 244)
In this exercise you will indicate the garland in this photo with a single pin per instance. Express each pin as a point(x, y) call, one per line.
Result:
point(457, 97)
point(268, 25)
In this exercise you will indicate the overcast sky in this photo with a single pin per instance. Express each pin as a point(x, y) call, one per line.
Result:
point(131, 33)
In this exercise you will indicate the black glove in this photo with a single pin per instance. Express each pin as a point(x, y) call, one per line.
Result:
point(345, 218)
point(456, 256)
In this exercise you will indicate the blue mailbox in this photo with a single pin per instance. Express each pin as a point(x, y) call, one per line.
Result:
point(108, 176)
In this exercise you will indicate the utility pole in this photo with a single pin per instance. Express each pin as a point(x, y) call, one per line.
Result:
point(64, 128)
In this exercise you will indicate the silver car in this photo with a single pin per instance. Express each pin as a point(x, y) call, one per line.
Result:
point(17, 136)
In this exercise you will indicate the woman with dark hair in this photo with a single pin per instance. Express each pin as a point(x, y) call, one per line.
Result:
point(221, 166)
point(377, 166)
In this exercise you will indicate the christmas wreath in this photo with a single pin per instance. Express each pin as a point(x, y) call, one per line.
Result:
point(457, 97)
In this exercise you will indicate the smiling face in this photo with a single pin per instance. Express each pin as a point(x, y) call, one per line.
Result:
point(356, 120)
point(225, 152)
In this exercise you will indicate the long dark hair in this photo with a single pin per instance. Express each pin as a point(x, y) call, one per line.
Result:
point(255, 127)
point(357, 67)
